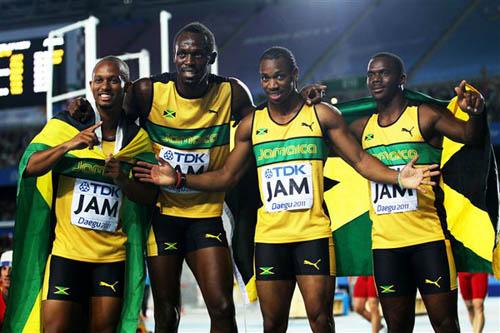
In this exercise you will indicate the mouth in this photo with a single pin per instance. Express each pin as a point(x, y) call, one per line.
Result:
point(274, 95)
point(105, 97)
point(377, 90)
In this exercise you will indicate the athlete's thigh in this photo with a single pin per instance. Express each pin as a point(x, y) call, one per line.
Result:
point(64, 294)
point(479, 283)
point(106, 293)
point(318, 292)
point(442, 310)
point(275, 297)
point(434, 267)
point(213, 271)
point(105, 313)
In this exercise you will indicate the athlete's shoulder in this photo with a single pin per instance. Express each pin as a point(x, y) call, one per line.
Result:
point(64, 116)
point(163, 77)
point(212, 78)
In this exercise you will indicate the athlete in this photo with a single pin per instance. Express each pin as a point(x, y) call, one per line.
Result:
point(187, 115)
point(365, 295)
point(85, 271)
point(474, 287)
point(409, 236)
point(293, 237)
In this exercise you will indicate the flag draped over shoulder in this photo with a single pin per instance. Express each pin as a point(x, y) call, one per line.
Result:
point(471, 203)
point(34, 216)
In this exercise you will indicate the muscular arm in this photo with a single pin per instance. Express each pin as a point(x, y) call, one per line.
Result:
point(241, 101)
point(346, 146)
point(43, 161)
point(138, 99)
point(234, 167)
point(438, 121)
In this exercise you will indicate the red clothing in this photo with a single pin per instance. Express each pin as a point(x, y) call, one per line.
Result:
point(3, 306)
point(365, 287)
point(473, 285)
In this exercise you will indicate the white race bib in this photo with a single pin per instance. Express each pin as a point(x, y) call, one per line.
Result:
point(388, 198)
point(96, 205)
point(287, 187)
point(187, 162)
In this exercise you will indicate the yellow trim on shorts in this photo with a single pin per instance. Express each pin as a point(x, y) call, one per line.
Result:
point(45, 285)
point(451, 265)
point(331, 250)
point(152, 246)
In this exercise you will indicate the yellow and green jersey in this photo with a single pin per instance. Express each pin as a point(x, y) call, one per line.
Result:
point(193, 136)
point(290, 159)
point(403, 217)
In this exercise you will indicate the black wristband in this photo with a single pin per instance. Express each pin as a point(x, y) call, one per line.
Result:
point(182, 180)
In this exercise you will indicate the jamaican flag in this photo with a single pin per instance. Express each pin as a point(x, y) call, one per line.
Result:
point(469, 181)
point(34, 218)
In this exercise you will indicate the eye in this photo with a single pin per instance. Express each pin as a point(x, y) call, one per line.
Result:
point(98, 80)
point(264, 78)
point(115, 80)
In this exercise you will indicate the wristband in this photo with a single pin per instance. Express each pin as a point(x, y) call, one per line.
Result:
point(399, 180)
point(181, 180)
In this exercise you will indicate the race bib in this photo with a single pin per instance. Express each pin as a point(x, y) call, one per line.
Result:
point(96, 205)
point(287, 187)
point(187, 162)
point(388, 198)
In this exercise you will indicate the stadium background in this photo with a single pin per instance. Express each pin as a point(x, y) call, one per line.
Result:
point(441, 43)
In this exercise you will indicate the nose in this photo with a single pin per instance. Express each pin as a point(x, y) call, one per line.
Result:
point(189, 59)
point(273, 84)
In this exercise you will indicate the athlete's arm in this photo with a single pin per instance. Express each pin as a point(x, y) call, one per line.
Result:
point(346, 146)
point(43, 161)
point(241, 99)
point(313, 93)
point(358, 126)
point(438, 120)
point(213, 181)
point(134, 190)
point(138, 99)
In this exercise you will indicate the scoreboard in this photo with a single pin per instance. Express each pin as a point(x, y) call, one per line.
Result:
point(24, 71)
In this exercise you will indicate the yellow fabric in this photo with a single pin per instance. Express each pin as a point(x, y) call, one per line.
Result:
point(192, 114)
point(296, 225)
point(496, 259)
point(72, 241)
point(451, 265)
point(410, 227)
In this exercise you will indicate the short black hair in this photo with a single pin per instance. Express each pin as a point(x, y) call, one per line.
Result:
point(122, 66)
point(277, 52)
point(396, 60)
point(198, 28)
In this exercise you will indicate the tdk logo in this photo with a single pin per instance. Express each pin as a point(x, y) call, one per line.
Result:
point(184, 158)
point(287, 170)
point(84, 187)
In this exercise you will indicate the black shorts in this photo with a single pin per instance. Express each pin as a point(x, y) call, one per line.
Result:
point(171, 235)
point(77, 281)
point(285, 261)
point(429, 267)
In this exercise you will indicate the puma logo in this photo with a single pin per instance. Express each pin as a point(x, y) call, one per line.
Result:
point(215, 237)
point(308, 125)
point(407, 130)
point(436, 283)
point(112, 286)
point(213, 111)
point(314, 264)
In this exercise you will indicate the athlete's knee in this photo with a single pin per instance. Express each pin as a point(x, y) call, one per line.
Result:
point(275, 325)
point(167, 316)
point(223, 309)
point(359, 307)
point(448, 325)
point(321, 323)
point(478, 307)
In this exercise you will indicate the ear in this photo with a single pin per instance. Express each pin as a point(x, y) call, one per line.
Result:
point(402, 80)
point(295, 74)
point(212, 57)
point(90, 83)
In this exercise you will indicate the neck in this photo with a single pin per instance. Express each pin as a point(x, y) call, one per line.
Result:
point(194, 90)
point(110, 120)
point(288, 106)
point(393, 105)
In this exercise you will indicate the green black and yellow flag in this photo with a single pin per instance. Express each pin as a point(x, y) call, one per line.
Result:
point(471, 202)
point(34, 219)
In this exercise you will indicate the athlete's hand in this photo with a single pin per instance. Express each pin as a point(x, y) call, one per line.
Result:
point(313, 93)
point(469, 101)
point(414, 178)
point(80, 109)
point(84, 139)
point(112, 169)
point(162, 174)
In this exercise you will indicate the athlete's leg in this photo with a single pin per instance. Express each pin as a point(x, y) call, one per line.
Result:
point(105, 314)
point(399, 313)
point(62, 316)
point(274, 299)
point(470, 311)
point(165, 275)
point(359, 306)
point(317, 292)
point(442, 311)
point(375, 317)
point(212, 269)
point(478, 308)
